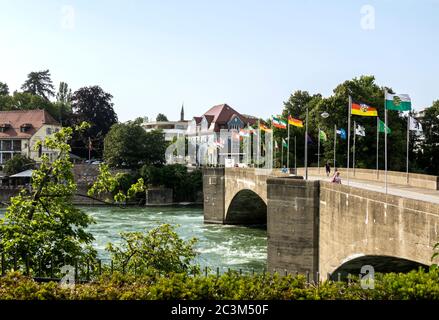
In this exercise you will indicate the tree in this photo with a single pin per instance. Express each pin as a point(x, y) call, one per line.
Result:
point(160, 250)
point(92, 105)
point(4, 89)
point(362, 89)
point(39, 83)
point(161, 117)
point(41, 227)
point(429, 150)
point(63, 101)
point(129, 145)
point(17, 164)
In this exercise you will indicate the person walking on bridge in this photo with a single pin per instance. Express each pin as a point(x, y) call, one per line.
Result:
point(328, 168)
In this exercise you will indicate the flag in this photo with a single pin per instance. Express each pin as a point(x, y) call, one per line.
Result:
point(342, 133)
point(284, 143)
point(308, 139)
point(362, 109)
point(400, 102)
point(263, 127)
point(322, 135)
point(244, 133)
point(384, 127)
point(295, 122)
point(414, 124)
point(278, 123)
point(360, 131)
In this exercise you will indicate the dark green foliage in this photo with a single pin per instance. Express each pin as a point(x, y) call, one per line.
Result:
point(362, 89)
point(231, 286)
point(17, 164)
point(4, 89)
point(130, 146)
point(161, 117)
point(40, 84)
point(185, 184)
point(92, 105)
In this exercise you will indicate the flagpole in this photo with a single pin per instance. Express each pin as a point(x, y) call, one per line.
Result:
point(408, 140)
point(288, 146)
point(353, 158)
point(335, 143)
point(378, 142)
point(306, 145)
point(258, 150)
point(385, 141)
point(295, 158)
point(349, 136)
point(318, 152)
point(282, 154)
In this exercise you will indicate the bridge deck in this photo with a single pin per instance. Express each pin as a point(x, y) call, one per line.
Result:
point(393, 189)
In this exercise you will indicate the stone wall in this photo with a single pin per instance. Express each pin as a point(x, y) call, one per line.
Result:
point(393, 177)
point(159, 196)
point(356, 222)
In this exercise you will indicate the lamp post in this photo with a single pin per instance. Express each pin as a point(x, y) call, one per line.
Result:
point(324, 115)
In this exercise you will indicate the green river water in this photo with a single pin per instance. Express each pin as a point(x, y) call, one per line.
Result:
point(233, 247)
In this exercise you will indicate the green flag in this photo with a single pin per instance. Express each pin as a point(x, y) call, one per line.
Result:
point(322, 135)
point(400, 102)
point(284, 143)
point(384, 127)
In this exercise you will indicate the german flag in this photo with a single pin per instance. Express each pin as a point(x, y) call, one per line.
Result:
point(295, 122)
point(362, 109)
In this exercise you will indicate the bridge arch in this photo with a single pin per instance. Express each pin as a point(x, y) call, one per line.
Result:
point(246, 207)
point(380, 263)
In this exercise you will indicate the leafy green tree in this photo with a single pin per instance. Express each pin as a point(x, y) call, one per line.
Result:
point(63, 102)
point(4, 89)
point(185, 185)
point(362, 89)
point(17, 164)
point(39, 83)
point(429, 150)
point(118, 185)
point(92, 105)
point(160, 250)
point(42, 228)
point(129, 145)
point(161, 117)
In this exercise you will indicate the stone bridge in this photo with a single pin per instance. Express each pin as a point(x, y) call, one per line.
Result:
point(323, 228)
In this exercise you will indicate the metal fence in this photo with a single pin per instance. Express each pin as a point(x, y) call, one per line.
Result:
point(91, 269)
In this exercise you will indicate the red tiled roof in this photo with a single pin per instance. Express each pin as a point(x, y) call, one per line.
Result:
point(221, 114)
point(17, 118)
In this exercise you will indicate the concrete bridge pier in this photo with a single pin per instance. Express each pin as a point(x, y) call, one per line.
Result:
point(293, 226)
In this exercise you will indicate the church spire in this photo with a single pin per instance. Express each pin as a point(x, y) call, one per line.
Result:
point(182, 112)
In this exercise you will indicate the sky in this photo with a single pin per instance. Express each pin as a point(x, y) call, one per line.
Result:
point(152, 56)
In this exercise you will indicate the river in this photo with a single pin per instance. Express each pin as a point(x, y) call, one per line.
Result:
point(233, 247)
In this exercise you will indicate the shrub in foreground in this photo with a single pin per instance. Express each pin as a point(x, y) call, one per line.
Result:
point(413, 285)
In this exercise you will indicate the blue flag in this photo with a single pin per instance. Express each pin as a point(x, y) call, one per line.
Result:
point(342, 133)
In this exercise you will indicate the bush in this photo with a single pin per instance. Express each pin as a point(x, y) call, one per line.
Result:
point(230, 286)
point(185, 185)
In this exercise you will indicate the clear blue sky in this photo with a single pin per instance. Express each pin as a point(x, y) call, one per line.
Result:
point(153, 55)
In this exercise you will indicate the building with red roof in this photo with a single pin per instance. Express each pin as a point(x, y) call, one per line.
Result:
point(21, 129)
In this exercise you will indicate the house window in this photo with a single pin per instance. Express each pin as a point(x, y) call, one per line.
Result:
point(48, 130)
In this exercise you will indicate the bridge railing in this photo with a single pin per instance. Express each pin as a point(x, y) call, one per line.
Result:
point(393, 177)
